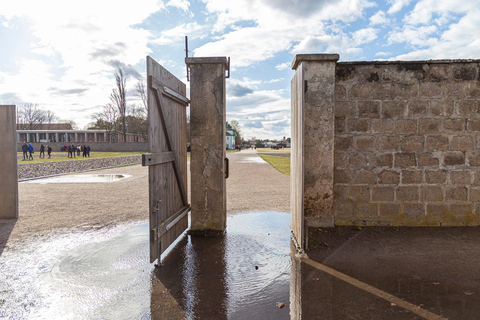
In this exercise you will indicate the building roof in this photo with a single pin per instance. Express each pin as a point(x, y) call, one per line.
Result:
point(45, 126)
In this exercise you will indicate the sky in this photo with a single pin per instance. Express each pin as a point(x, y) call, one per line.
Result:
point(62, 55)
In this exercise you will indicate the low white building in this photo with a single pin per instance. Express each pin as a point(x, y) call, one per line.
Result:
point(230, 140)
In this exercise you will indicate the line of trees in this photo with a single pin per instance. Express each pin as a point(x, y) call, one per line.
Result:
point(31, 117)
point(118, 116)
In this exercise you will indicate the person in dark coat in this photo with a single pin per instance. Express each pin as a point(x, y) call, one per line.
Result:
point(84, 148)
point(74, 151)
point(30, 151)
point(88, 151)
point(25, 150)
point(42, 151)
point(49, 151)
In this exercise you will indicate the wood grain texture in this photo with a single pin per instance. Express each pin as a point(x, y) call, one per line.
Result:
point(162, 181)
point(296, 166)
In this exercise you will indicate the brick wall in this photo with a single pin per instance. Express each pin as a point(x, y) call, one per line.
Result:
point(407, 150)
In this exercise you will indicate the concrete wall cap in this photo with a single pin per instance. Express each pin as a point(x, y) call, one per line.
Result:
point(319, 57)
point(391, 62)
point(207, 60)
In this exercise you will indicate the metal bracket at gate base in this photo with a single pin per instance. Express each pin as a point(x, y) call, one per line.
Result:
point(171, 221)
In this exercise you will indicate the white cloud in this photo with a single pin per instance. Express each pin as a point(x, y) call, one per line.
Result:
point(379, 18)
point(192, 30)
point(181, 4)
point(382, 54)
point(397, 5)
point(80, 47)
point(364, 36)
point(279, 25)
point(283, 66)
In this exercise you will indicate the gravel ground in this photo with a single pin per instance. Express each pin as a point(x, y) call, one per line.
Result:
point(57, 208)
point(33, 170)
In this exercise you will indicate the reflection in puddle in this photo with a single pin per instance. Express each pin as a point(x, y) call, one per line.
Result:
point(219, 279)
point(105, 274)
point(252, 160)
point(81, 178)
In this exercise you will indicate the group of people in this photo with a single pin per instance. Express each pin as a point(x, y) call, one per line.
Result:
point(77, 149)
point(29, 150)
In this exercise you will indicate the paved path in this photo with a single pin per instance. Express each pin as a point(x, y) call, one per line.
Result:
point(255, 185)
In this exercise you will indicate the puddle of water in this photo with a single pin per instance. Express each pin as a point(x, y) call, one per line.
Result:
point(105, 274)
point(81, 178)
point(252, 160)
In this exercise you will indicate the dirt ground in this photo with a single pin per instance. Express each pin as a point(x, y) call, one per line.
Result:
point(58, 207)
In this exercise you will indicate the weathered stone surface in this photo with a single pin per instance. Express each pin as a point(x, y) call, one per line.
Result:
point(207, 162)
point(8, 164)
point(414, 127)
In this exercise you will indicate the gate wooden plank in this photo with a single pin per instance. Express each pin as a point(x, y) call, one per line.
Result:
point(162, 179)
point(296, 175)
point(159, 102)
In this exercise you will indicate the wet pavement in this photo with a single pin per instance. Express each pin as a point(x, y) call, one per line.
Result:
point(105, 274)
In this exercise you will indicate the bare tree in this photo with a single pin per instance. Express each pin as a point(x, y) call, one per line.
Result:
point(236, 127)
point(31, 116)
point(50, 117)
point(107, 119)
point(119, 99)
point(141, 91)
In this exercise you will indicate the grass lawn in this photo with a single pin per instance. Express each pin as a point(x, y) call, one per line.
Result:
point(281, 164)
point(268, 150)
point(64, 156)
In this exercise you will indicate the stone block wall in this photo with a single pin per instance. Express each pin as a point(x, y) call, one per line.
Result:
point(407, 149)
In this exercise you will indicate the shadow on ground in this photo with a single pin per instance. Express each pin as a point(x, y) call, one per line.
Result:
point(435, 268)
point(6, 228)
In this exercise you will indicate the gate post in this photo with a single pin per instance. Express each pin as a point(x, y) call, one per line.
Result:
point(207, 132)
point(8, 167)
point(316, 123)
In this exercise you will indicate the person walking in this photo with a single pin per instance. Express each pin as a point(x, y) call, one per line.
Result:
point(49, 151)
point(30, 151)
point(42, 151)
point(84, 151)
point(88, 151)
point(78, 150)
point(74, 151)
point(25, 150)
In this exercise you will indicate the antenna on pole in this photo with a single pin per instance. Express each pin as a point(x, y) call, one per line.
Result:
point(186, 56)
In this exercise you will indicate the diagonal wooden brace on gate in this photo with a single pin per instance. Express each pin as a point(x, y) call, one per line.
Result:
point(169, 156)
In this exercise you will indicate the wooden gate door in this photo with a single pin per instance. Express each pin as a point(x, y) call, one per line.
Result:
point(296, 172)
point(166, 158)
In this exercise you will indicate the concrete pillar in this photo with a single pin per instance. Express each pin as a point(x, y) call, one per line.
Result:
point(104, 137)
point(86, 137)
point(207, 162)
point(28, 136)
point(56, 137)
point(76, 136)
point(37, 137)
point(8, 159)
point(318, 136)
point(95, 137)
point(18, 137)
